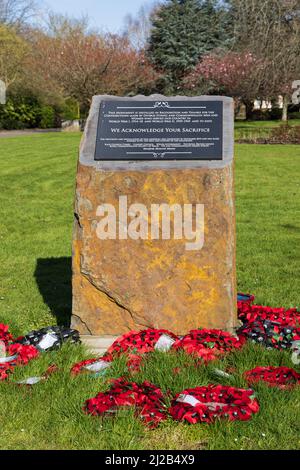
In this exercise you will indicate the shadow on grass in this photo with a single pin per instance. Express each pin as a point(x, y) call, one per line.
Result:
point(53, 277)
point(291, 228)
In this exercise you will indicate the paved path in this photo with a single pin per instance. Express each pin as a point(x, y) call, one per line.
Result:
point(26, 132)
point(98, 344)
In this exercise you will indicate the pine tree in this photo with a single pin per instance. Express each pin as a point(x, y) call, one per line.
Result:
point(182, 32)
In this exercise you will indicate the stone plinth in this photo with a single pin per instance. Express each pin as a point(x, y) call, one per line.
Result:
point(125, 284)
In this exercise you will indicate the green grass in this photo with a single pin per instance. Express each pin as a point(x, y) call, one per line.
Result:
point(36, 216)
point(241, 124)
point(49, 415)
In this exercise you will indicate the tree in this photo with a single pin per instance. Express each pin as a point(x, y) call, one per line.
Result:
point(182, 32)
point(271, 30)
point(16, 12)
point(235, 74)
point(137, 28)
point(12, 54)
point(62, 26)
point(84, 64)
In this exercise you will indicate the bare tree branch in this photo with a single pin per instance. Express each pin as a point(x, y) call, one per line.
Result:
point(17, 12)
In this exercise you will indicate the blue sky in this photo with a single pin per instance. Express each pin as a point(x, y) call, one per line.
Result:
point(107, 15)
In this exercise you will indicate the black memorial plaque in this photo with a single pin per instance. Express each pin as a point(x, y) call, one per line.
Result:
point(160, 130)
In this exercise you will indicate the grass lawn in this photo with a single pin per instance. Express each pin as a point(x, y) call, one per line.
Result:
point(37, 188)
point(239, 124)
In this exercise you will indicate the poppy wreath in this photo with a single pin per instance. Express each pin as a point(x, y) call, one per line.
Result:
point(270, 334)
point(147, 398)
point(135, 344)
point(206, 404)
point(273, 327)
point(282, 377)
point(208, 344)
point(80, 366)
point(5, 335)
point(138, 342)
point(23, 354)
point(248, 313)
point(58, 335)
point(5, 370)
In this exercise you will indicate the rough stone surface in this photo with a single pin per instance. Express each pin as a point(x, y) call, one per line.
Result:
point(119, 285)
point(126, 284)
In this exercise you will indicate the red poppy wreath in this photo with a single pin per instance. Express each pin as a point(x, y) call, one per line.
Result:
point(206, 404)
point(281, 377)
point(146, 398)
point(208, 344)
point(142, 342)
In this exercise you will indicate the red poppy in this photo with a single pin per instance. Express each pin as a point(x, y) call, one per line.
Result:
point(208, 344)
point(283, 317)
point(5, 370)
point(282, 377)
point(24, 353)
point(5, 335)
point(147, 399)
point(206, 404)
point(139, 342)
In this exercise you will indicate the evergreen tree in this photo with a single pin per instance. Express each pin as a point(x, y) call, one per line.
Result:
point(182, 32)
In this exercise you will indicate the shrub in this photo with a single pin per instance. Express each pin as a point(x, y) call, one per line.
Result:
point(18, 115)
point(46, 117)
point(259, 115)
point(69, 111)
point(285, 134)
point(275, 114)
point(295, 115)
point(28, 112)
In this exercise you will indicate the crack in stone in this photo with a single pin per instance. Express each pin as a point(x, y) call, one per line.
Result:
point(83, 322)
point(134, 316)
point(77, 219)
